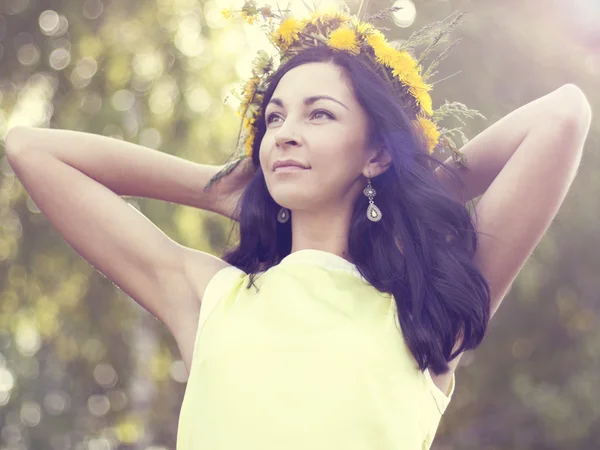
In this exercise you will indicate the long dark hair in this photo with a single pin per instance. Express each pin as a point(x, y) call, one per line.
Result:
point(421, 251)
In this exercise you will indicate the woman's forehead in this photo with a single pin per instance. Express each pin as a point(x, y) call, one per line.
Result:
point(313, 79)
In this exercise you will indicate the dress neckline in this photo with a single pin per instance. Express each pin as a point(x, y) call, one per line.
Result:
point(321, 258)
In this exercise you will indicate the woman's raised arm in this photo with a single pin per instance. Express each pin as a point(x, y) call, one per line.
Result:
point(125, 168)
point(76, 178)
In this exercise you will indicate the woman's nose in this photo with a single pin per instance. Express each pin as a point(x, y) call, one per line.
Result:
point(285, 141)
point(285, 136)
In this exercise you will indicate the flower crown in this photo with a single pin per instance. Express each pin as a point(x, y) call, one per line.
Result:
point(338, 30)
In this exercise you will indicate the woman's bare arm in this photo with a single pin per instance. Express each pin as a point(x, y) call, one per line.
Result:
point(76, 178)
point(128, 169)
point(488, 152)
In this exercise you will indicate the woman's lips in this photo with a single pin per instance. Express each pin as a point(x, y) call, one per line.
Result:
point(283, 169)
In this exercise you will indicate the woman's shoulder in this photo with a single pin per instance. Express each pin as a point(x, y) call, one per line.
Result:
point(207, 277)
point(203, 269)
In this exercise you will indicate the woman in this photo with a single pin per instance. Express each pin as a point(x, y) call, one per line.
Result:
point(360, 278)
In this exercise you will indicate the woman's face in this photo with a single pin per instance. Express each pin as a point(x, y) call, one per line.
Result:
point(314, 119)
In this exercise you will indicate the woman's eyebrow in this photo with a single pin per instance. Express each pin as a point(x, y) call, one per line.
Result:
point(309, 100)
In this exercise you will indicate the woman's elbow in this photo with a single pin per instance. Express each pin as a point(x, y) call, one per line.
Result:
point(14, 144)
point(576, 104)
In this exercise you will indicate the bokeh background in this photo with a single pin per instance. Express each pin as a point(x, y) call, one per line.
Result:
point(84, 367)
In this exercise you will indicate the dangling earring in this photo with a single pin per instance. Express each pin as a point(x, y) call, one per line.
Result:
point(373, 212)
point(283, 216)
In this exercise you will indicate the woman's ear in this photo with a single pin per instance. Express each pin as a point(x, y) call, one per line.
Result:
point(379, 162)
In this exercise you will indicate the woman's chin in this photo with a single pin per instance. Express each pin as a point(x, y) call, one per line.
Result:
point(292, 200)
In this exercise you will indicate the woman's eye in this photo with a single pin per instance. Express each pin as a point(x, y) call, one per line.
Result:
point(271, 116)
point(320, 111)
point(315, 114)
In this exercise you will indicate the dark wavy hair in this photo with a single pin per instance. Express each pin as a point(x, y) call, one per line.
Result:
point(422, 249)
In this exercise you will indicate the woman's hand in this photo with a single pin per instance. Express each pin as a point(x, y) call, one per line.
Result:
point(229, 190)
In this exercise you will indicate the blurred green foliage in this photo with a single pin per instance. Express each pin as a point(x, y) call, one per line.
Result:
point(83, 367)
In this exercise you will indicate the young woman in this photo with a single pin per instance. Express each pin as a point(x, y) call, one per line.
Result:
point(332, 324)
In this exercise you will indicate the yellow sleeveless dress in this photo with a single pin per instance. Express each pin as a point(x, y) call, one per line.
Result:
point(315, 360)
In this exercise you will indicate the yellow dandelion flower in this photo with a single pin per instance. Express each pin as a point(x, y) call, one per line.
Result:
point(386, 54)
point(424, 100)
point(402, 62)
point(249, 91)
point(414, 81)
point(411, 78)
point(249, 143)
point(227, 13)
point(288, 31)
point(430, 132)
point(376, 39)
point(344, 39)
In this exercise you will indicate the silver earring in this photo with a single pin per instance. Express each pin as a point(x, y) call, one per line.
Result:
point(373, 212)
point(283, 216)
